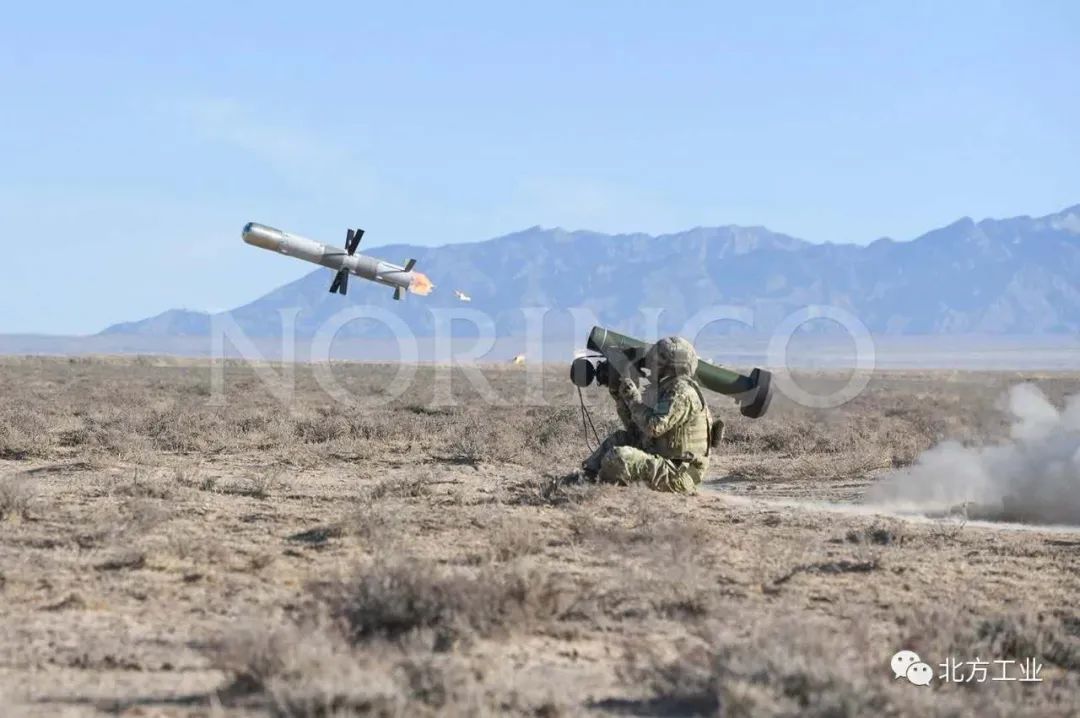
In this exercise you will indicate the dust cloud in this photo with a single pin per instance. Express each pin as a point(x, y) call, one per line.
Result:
point(1034, 477)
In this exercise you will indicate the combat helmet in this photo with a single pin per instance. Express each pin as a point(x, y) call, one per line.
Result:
point(672, 356)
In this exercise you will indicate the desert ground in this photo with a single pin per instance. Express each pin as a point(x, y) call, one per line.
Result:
point(177, 544)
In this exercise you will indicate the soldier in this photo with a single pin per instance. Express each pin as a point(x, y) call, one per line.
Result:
point(629, 435)
point(666, 436)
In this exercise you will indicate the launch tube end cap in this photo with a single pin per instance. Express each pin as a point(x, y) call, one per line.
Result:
point(757, 402)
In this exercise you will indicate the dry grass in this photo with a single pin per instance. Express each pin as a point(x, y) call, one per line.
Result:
point(15, 495)
point(403, 598)
point(167, 554)
point(111, 415)
point(782, 667)
point(307, 671)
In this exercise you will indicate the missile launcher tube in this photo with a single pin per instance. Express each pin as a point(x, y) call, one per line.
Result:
point(753, 392)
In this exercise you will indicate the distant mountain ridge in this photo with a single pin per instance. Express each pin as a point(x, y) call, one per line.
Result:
point(1010, 276)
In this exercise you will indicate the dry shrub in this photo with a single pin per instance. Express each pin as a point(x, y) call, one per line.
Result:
point(366, 646)
point(879, 533)
point(306, 672)
point(795, 675)
point(259, 428)
point(195, 548)
point(824, 466)
point(645, 525)
point(106, 428)
point(326, 426)
point(378, 521)
point(186, 476)
point(548, 431)
point(259, 486)
point(784, 667)
point(553, 490)
point(141, 486)
point(383, 426)
point(24, 434)
point(667, 567)
point(400, 599)
point(480, 437)
point(309, 671)
point(380, 527)
point(512, 537)
point(348, 432)
point(397, 487)
point(182, 429)
point(123, 560)
point(15, 496)
point(139, 515)
point(956, 631)
point(1042, 637)
point(131, 518)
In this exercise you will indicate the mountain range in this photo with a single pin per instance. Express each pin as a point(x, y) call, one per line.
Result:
point(1009, 276)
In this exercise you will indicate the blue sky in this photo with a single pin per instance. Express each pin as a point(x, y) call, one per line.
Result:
point(137, 138)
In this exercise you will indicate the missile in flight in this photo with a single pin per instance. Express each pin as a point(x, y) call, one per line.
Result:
point(343, 261)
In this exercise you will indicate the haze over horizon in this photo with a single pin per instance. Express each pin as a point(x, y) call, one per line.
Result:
point(137, 140)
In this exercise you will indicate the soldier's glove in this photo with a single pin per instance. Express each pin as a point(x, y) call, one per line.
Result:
point(614, 381)
point(629, 391)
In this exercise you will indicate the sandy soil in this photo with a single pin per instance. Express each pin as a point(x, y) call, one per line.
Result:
point(162, 555)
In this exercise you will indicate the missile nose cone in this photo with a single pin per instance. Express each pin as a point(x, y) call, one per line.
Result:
point(260, 235)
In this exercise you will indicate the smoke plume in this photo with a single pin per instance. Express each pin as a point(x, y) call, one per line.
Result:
point(1034, 477)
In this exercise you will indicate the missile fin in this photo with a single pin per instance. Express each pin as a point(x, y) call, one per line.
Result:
point(409, 265)
point(352, 240)
point(397, 294)
point(341, 282)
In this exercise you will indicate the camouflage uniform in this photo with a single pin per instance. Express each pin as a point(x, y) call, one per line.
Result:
point(629, 435)
point(666, 440)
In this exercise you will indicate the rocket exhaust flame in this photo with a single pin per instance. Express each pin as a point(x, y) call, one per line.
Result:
point(420, 284)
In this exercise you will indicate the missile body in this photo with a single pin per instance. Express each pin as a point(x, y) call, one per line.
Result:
point(342, 261)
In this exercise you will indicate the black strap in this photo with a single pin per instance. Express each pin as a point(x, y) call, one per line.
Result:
point(708, 424)
point(700, 394)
